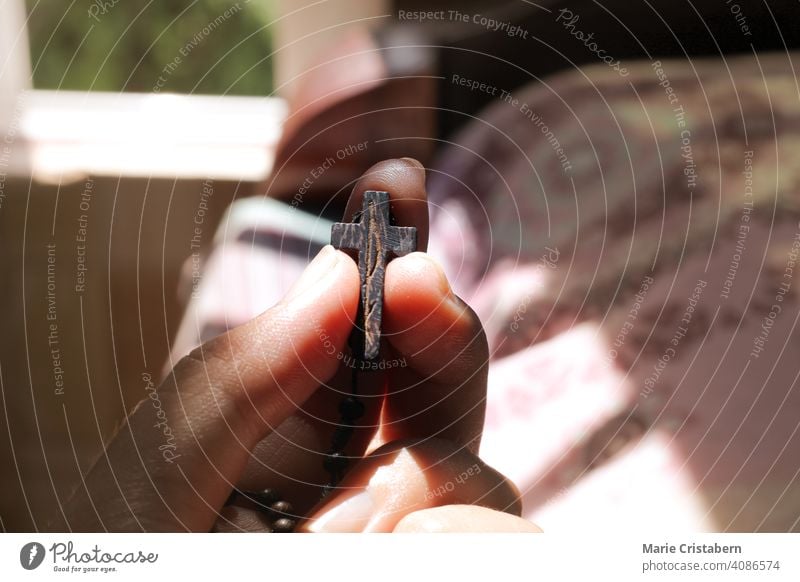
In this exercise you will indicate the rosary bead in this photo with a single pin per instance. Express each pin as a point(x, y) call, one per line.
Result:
point(282, 507)
point(268, 503)
point(265, 497)
point(351, 408)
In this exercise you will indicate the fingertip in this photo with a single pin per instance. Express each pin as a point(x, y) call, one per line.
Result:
point(416, 280)
point(404, 179)
point(464, 519)
point(319, 266)
point(330, 279)
point(414, 162)
point(418, 296)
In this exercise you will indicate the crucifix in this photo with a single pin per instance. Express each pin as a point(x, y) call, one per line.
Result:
point(376, 240)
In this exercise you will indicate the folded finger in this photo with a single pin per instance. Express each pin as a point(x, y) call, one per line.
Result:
point(171, 466)
point(402, 478)
point(441, 391)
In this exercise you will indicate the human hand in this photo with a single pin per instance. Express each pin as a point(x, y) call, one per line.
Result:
point(256, 408)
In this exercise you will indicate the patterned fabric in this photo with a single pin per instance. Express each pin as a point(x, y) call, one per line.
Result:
point(624, 242)
point(630, 246)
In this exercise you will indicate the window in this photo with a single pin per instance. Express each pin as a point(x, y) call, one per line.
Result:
point(181, 46)
point(113, 88)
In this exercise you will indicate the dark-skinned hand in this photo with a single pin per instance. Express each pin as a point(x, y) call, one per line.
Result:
point(256, 408)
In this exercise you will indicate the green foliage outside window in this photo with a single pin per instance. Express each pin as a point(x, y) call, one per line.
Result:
point(184, 46)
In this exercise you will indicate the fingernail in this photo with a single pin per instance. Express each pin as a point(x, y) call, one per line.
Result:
point(322, 264)
point(414, 162)
point(353, 515)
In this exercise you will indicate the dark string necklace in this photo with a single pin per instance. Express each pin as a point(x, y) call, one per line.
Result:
point(372, 239)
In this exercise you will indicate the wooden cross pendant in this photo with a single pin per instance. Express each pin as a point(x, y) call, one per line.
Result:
point(377, 241)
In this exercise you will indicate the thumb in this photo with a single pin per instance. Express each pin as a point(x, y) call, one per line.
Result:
point(173, 463)
point(464, 519)
point(404, 477)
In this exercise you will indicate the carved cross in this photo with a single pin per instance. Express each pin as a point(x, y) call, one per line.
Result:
point(377, 241)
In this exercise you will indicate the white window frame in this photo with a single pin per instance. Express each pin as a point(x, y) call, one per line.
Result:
point(64, 136)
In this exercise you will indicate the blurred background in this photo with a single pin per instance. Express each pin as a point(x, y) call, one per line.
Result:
point(130, 129)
